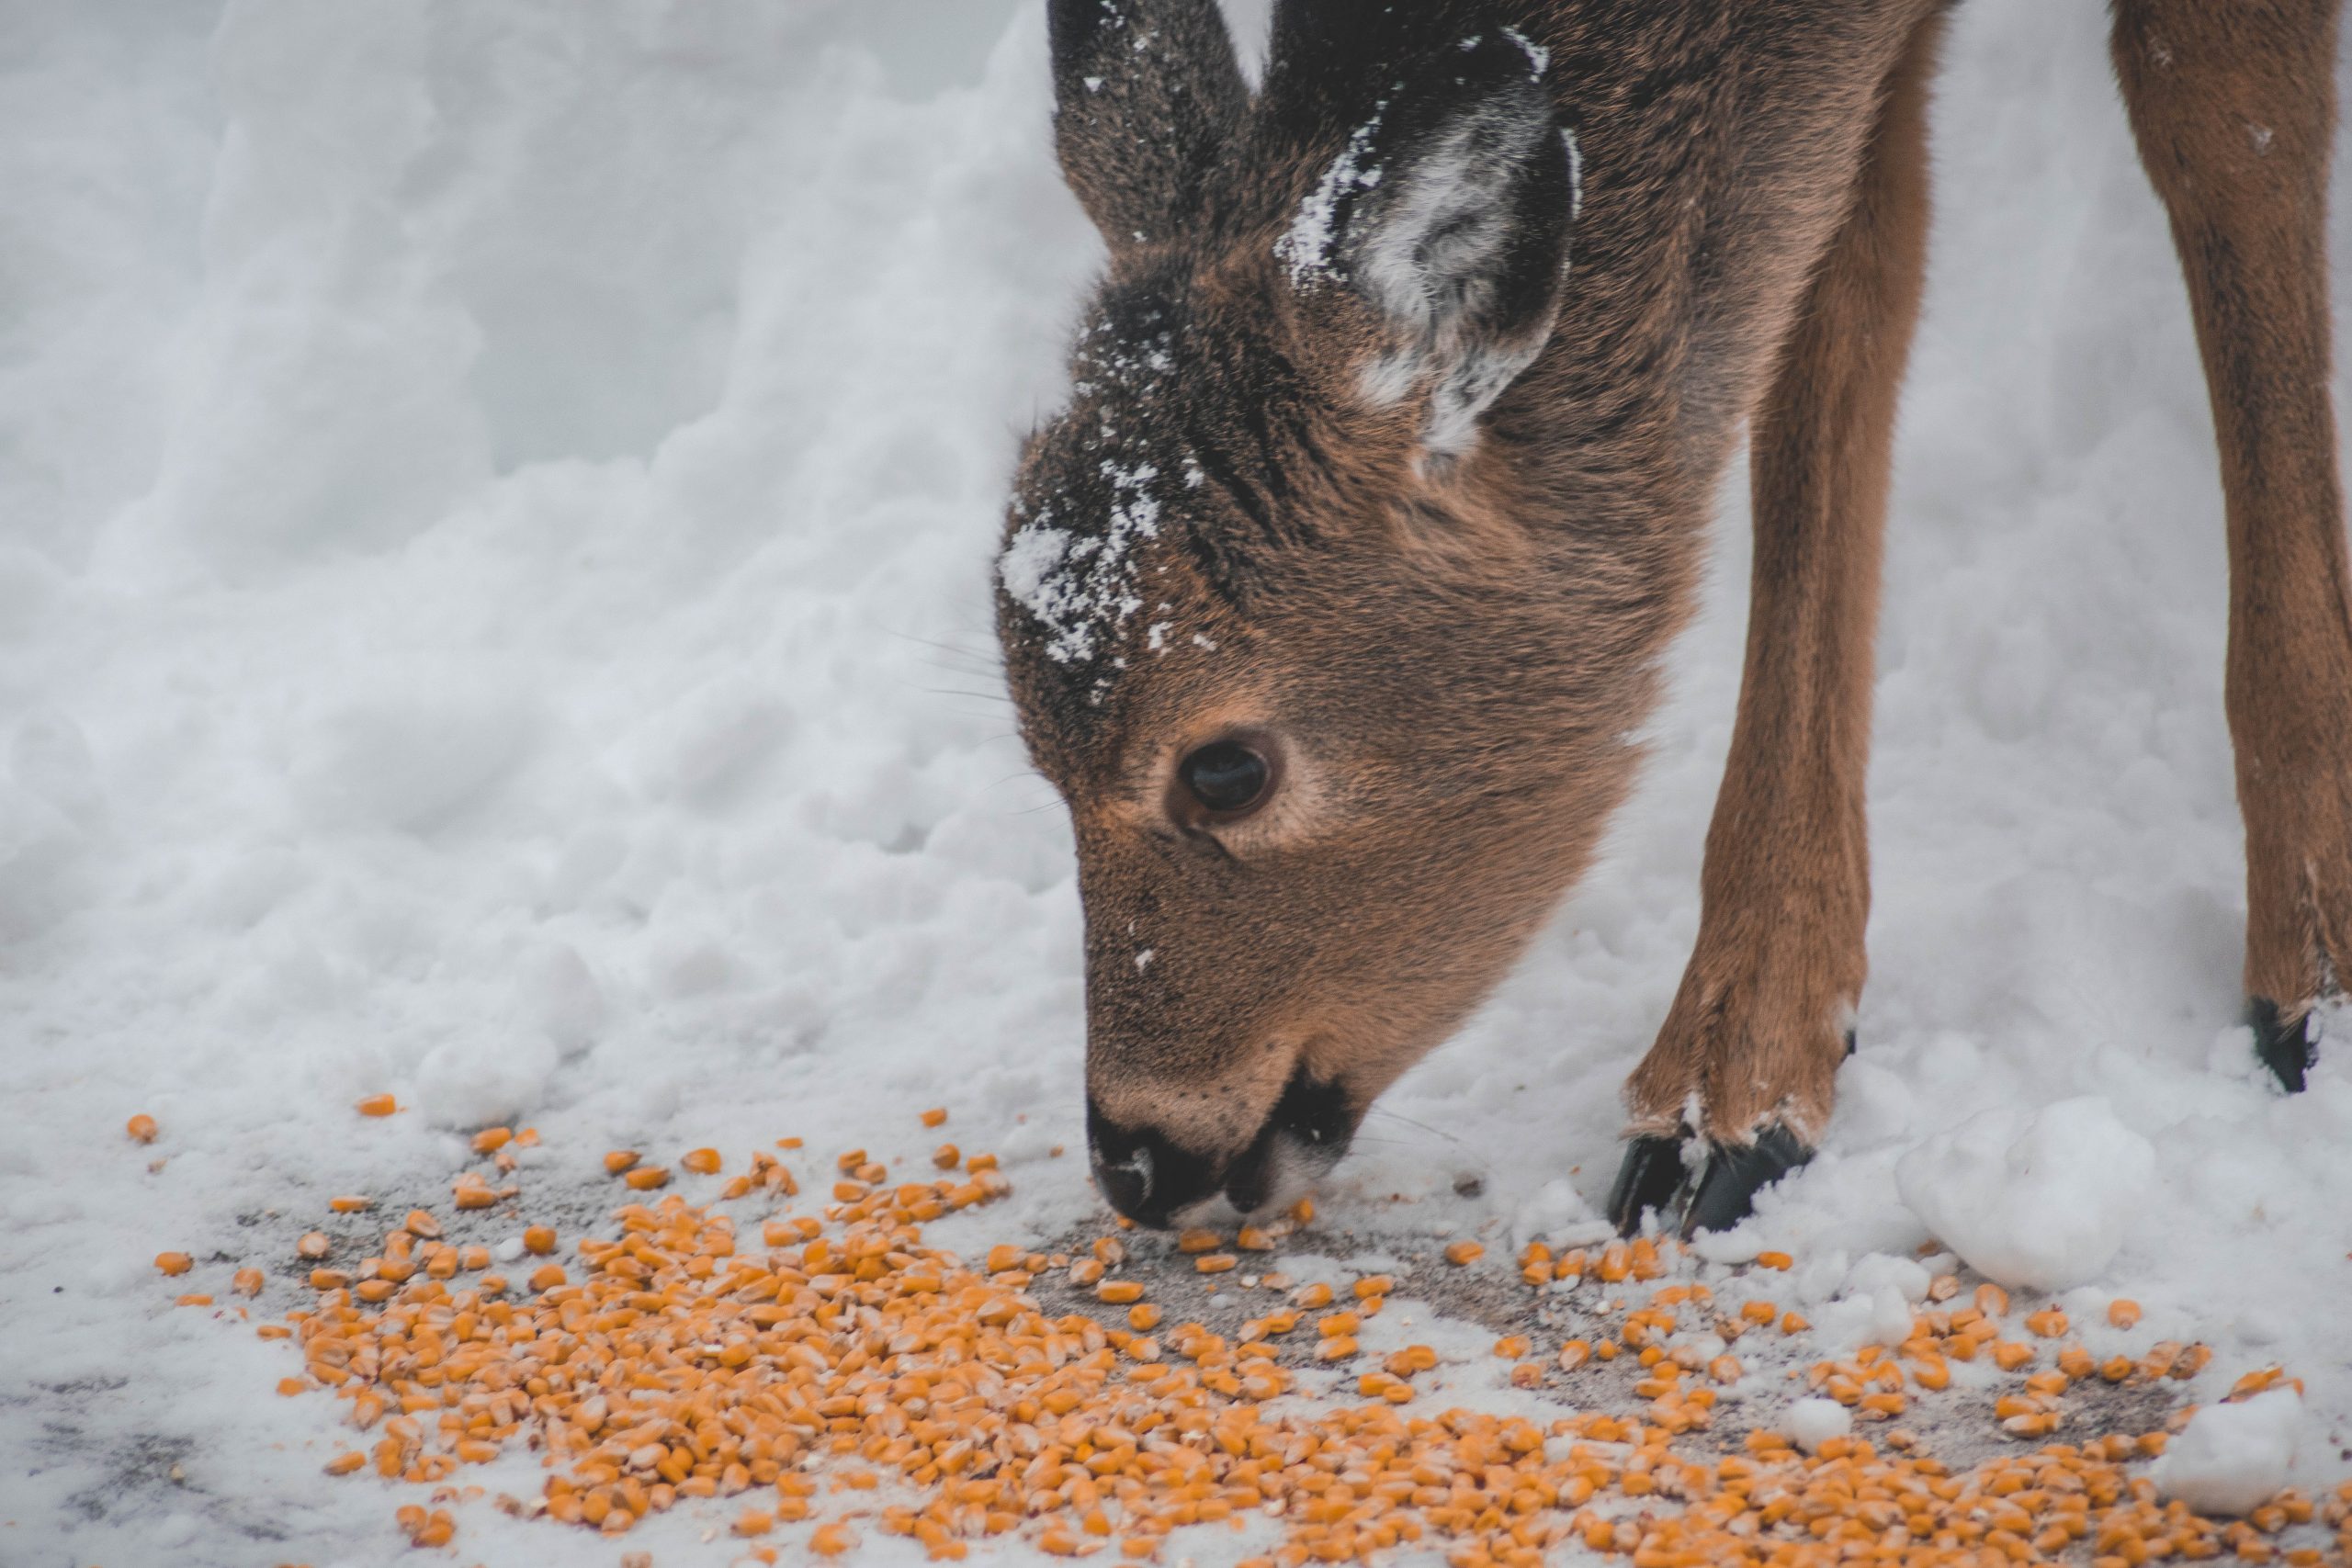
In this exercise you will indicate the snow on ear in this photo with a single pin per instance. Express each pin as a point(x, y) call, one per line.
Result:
point(1147, 99)
point(1449, 213)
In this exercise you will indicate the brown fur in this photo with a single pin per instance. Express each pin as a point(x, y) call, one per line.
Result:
point(2234, 109)
point(1250, 524)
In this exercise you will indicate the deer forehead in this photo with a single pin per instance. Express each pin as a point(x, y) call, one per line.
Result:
point(1094, 563)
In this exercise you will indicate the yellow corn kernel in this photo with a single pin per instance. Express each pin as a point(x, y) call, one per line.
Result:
point(540, 1240)
point(1118, 1292)
point(2123, 1312)
point(377, 1105)
point(1463, 1253)
point(645, 1178)
point(141, 1128)
point(702, 1162)
point(1215, 1262)
point(489, 1140)
point(174, 1264)
point(1774, 1260)
point(1199, 1241)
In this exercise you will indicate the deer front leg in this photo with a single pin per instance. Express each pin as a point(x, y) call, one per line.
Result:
point(2235, 108)
point(1740, 1081)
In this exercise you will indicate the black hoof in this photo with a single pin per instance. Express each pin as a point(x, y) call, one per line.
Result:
point(1655, 1177)
point(2287, 1047)
point(1727, 1187)
point(1651, 1177)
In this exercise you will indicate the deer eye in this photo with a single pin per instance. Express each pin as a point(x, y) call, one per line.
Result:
point(1225, 777)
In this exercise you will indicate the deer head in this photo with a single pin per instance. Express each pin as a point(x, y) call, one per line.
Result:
point(1290, 600)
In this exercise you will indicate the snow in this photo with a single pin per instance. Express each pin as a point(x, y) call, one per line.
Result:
point(2038, 1199)
point(1813, 1422)
point(495, 603)
point(2231, 1458)
point(1305, 248)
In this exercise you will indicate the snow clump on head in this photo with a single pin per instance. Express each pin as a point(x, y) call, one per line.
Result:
point(1097, 495)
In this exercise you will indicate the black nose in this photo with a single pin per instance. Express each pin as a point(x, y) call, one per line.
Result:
point(1142, 1174)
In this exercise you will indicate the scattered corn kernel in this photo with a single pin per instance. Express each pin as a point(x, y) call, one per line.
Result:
point(174, 1264)
point(702, 1162)
point(1463, 1253)
point(377, 1105)
point(141, 1128)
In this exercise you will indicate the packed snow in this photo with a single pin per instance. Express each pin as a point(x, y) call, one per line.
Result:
point(502, 504)
point(2231, 1459)
point(2034, 1198)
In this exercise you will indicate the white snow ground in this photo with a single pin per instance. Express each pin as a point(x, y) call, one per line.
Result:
point(495, 504)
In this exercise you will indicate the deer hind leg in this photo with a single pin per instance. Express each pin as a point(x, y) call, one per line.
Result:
point(1748, 1055)
point(2233, 108)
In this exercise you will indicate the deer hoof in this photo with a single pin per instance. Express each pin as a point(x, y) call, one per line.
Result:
point(1727, 1187)
point(1651, 1177)
point(2288, 1047)
point(1657, 1176)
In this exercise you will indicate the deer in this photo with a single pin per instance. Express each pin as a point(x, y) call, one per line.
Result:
point(1334, 600)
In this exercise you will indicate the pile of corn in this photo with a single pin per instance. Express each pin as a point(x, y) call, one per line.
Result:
point(841, 1375)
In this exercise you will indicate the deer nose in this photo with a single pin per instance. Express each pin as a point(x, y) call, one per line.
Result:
point(1144, 1175)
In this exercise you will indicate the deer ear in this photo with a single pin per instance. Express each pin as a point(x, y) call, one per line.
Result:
point(1146, 101)
point(1449, 213)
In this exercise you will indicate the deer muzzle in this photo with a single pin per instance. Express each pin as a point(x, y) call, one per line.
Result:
point(1155, 1181)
